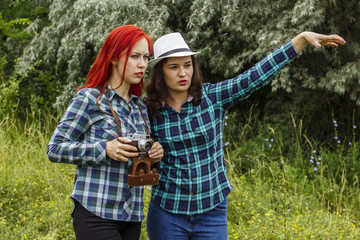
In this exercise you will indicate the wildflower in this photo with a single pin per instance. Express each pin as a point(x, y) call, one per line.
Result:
point(266, 139)
point(312, 157)
point(270, 145)
point(226, 144)
point(335, 122)
point(226, 117)
point(338, 141)
point(318, 163)
point(272, 140)
point(335, 137)
point(315, 169)
point(319, 158)
point(225, 124)
point(312, 161)
point(148, 188)
point(350, 143)
point(335, 125)
point(314, 151)
point(354, 126)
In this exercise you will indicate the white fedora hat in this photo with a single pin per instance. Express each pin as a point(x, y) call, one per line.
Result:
point(170, 45)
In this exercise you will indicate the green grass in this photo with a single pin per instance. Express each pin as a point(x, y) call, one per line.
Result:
point(277, 194)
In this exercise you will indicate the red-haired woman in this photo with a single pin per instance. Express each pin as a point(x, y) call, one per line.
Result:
point(92, 135)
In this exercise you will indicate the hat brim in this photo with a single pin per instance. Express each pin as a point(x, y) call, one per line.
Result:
point(153, 62)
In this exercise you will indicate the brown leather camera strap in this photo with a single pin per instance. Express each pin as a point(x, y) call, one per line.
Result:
point(117, 120)
point(147, 127)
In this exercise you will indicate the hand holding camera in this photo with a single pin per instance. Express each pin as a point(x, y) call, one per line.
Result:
point(120, 149)
point(156, 152)
point(143, 151)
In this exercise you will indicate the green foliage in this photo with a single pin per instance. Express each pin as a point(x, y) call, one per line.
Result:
point(36, 91)
point(77, 29)
point(231, 34)
point(10, 30)
point(9, 96)
point(15, 19)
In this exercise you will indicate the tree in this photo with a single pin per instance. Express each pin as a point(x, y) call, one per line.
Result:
point(68, 46)
point(15, 17)
point(232, 35)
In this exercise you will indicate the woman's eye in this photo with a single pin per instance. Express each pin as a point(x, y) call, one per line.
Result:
point(146, 58)
point(134, 56)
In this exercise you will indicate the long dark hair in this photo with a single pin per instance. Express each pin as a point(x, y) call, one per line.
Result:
point(156, 90)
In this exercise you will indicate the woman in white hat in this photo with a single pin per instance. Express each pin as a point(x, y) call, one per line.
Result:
point(187, 118)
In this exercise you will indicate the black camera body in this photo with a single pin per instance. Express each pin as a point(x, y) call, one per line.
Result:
point(141, 173)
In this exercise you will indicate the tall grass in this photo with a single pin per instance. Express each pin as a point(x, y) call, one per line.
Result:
point(277, 193)
point(288, 187)
point(34, 202)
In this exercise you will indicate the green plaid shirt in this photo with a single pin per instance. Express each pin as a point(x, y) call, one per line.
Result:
point(192, 172)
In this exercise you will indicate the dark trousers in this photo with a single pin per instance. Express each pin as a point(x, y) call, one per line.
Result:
point(88, 226)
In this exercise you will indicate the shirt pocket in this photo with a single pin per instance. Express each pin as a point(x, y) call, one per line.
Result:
point(203, 127)
point(104, 127)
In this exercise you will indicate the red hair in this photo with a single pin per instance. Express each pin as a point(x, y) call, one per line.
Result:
point(119, 41)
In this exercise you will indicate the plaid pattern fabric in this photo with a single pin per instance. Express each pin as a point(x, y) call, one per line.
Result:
point(80, 138)
point(192, 172)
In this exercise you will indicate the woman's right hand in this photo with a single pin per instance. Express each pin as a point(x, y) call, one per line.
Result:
point(119, 149)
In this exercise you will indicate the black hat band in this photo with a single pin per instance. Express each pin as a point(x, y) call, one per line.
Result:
point(175, 51)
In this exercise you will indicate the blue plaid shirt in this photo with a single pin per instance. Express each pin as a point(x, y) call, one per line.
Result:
point(192, 172)
point(80, 138)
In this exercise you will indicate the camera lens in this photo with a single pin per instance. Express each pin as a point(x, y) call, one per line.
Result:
point(147, 146)
point(144, 146)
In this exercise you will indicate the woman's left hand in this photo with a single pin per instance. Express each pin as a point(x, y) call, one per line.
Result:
point(156, 152)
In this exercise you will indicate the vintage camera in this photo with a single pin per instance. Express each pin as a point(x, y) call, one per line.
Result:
point(142, 142)
point(140, 172)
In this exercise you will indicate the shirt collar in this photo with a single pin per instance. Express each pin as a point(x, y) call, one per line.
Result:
point(112, 93)
point(189, 99)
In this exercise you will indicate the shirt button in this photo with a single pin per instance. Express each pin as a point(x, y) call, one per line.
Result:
point(190, 167)
point(181, 130)
point(183, 110)
point(179, 119)
point(188, 154)
point(184, 143)
point(191, 194)
point(191, 180)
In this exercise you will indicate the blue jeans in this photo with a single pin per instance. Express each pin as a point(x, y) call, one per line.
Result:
point(163, 225)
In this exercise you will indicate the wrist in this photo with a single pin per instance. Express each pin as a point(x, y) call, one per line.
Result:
point(300, 41)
